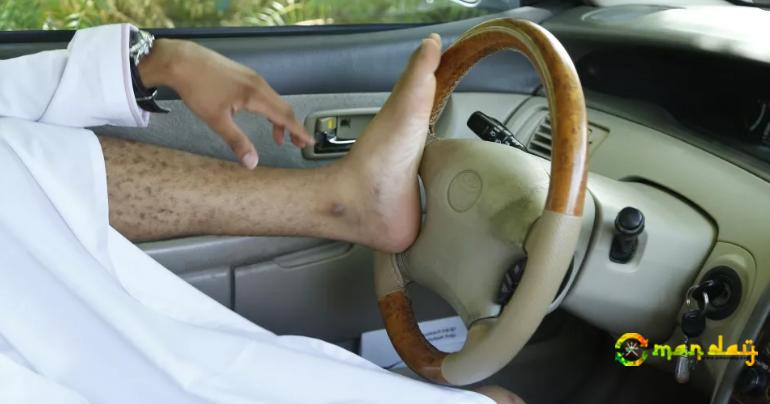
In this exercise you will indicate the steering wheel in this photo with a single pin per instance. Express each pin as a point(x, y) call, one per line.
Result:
point(488, 206)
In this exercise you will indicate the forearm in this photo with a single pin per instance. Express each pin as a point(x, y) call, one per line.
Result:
point(158, 193)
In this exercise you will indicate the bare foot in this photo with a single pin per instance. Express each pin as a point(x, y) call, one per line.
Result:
point(500, 395)
point(386, 157)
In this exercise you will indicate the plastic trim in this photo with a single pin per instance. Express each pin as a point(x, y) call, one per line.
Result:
point(217, 32)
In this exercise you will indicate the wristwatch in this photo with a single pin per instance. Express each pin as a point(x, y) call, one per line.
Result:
point(139, 46)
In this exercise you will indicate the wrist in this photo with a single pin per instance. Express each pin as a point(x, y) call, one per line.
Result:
point(161, 66)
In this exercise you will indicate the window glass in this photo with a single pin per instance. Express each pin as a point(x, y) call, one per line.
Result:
point(74, 14)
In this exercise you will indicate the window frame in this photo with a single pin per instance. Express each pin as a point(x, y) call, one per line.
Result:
point(33, 36)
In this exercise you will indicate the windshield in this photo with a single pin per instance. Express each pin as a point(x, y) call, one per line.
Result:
point(75, 14)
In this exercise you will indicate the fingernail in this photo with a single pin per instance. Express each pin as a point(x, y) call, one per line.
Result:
point(250, 160)
point(435, 36)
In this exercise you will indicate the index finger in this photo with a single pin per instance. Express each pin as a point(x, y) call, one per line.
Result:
point(237, 140)
point(278, 111)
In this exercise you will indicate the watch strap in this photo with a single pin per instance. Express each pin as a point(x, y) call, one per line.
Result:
point(145, 97)
point(140, 45)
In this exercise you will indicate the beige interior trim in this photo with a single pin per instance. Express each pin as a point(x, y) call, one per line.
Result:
point(387, 276)
point(493, 347)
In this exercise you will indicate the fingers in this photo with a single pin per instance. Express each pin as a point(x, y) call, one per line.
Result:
point(265, 101)
point(237, 140)
point(298, 141)
point(278, 134)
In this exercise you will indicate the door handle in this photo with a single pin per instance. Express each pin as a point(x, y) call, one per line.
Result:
point(332, 138)
point(336, 131)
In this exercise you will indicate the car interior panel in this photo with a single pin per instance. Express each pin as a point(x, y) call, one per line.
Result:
point(677, 108)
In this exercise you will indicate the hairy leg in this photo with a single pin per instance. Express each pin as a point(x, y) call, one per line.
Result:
point(370, 197)
point(157, 193)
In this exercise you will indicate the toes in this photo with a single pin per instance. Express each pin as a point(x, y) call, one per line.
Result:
point(425, 59)
point(423, 63)
point(412, 95)
point(430, 53)
point(436, 37)
point(434, 46)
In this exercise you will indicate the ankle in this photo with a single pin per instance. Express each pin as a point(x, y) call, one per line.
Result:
point(380, 222)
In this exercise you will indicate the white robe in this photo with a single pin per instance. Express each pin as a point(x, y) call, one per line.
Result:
point(85, 316)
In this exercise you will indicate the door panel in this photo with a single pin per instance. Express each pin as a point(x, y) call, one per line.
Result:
point(326, 292)
point(207, 262)
point(183, 131)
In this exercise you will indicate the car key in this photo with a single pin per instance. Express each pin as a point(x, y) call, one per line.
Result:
point(693, 324)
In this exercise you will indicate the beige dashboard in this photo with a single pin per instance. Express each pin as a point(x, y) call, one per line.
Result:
point(735, 202)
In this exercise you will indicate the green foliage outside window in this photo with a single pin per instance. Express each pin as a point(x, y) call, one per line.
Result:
point(74, 14)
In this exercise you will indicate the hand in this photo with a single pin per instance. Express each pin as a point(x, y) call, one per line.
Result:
point(215, 88)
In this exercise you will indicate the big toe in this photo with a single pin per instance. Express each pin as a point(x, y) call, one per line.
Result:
point(413, 94)
point(428, 55)
point(424, 61)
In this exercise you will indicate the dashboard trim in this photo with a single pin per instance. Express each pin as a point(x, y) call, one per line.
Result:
point(658, 119)
point(754, 324)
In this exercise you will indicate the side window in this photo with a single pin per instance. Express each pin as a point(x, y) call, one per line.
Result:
point(75, 14)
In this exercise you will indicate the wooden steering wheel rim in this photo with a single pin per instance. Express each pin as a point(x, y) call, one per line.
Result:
point(566, 191)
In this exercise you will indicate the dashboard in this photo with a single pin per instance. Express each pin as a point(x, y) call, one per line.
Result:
point(627, 146)
point(697, 81)
point(677, 100)
point(706, 67)
point(724, 99)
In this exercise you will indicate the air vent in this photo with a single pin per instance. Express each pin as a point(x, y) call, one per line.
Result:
point(540, 141)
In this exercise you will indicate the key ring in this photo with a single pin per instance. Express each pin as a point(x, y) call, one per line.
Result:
point(688, 301)
point(705, 301)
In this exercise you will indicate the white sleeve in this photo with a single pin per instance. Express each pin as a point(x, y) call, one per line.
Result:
point(88, 84)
